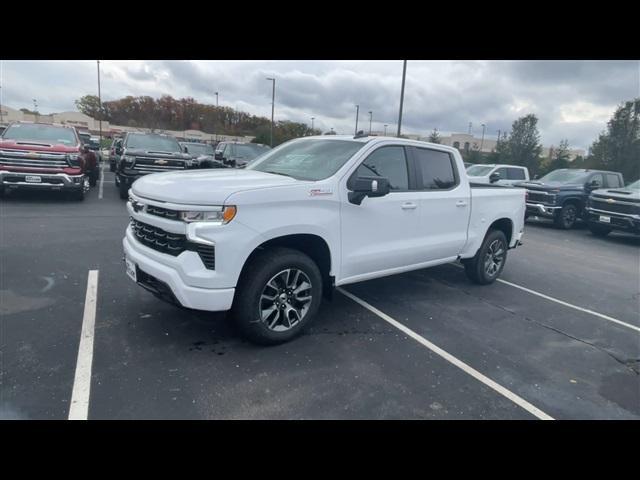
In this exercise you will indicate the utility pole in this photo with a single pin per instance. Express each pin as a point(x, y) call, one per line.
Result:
point(385, 129)
point(216, 118)
point(470, 125)
point(370, 120)
point(35, 109)
point(312, 119)
point(482, 141)
point(404, 75)
point(273, 102)
point(357, 113)
point(100, 107)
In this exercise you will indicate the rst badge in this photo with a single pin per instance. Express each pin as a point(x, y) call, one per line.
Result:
point(317, 192)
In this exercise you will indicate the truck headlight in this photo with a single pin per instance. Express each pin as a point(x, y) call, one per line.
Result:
point(74, 159)
point(222, 216)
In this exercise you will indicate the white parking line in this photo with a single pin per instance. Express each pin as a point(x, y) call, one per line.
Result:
point(566, 304)
point(451, 359)
point(79, 408)
point(101, 181)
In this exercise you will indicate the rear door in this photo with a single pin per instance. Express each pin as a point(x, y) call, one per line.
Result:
point(444, 201)
point(515, 175)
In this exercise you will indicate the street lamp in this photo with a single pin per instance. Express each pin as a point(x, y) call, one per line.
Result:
point(357, 113)
point(35, 109)
point(482, 141)
point(273, 102)
point(215, 125)
point(404, 76)
point(100, 107)
point(312, 119)
point(370, 120)
point(385, 129)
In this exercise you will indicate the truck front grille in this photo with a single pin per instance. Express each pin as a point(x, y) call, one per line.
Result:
point(541, 197)
point(162, 212)
point(21, 158)
point(151, 165)
point(172, 243)
point(600, 203)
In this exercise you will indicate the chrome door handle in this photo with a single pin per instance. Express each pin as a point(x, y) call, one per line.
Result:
point(409, 206)
point(461, 203)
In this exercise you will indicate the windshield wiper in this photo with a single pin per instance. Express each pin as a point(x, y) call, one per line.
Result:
point(278, 173)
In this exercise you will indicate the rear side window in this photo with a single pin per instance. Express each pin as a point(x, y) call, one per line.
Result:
point(437, 169)
point(598, 178)
point(389, 162)
point(515, 174)
point(503, 173)
point(613, 181)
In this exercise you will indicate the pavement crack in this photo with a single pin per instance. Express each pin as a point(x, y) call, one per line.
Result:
point(631, 364)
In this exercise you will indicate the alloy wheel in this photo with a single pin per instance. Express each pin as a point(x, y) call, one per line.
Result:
point(494, 258)
point(285, 300)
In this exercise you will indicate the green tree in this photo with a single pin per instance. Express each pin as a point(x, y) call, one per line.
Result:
point(523, 143)
point(618, 148)
point(560, 156)
point(500, 153)
point(90, 105)
point(434, 137)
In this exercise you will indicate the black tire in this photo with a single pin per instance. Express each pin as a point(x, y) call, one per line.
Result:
point(123, 188)
point(599, 230)
point(477, 268)
point(269, 267)
point(93, 177)
point(566, 217)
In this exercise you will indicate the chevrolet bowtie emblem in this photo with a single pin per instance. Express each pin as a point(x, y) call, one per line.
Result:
point(161, 162)
point(33, 155)
point(610, 200)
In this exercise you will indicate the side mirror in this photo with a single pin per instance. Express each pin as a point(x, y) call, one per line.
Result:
point(368, 187)
point(594, 184)
point(494, 177)
point(218, 155)
point(536, 176)
point(185, 149)
point(118, 150)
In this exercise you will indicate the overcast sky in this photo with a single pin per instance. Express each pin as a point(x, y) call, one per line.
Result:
point(572, 99)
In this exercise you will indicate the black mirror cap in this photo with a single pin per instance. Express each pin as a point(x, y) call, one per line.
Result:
point(494, 177)
point(363, 187)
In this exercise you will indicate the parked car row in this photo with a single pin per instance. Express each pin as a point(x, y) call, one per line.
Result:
point(46, 156)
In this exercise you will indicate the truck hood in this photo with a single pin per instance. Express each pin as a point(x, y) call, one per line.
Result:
point(38, 146)
point(204, 187)
point(157, 153)
point(625, 194)
point(534, 185)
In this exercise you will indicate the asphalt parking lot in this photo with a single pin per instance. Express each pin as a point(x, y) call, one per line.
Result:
point(561, 332)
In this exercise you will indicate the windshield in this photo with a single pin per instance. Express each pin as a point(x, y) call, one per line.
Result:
point(634, 186)
point(153, 143)
point(199, 148)
point(248, 151)
point(478, 170)
point(308, 159)
point(49, 134)
point(565, 176)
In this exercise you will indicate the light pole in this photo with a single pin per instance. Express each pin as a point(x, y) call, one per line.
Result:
point(273, 102)
point(385, 129)
point(215, 125)
point(470, 125)
point(312, 119)
point(404, 76)
point(357, 113)
point(100, 107)
point(482, 141)
point(370, 120)
point(35, 109)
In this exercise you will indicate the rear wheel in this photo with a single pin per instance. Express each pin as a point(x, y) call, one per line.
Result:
point(488, 263)
point(599, 230)
point(278, 296)
point(566, 217)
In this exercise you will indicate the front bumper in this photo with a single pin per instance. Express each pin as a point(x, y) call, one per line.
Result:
point(618, 221)
point(48, 181)
point(540, 209)
point(164, 277)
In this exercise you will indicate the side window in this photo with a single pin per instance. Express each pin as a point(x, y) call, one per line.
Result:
point(390, 162)
point(503, 173)
point(598, 177)
point(437, 169)
point(515, 174)
point(613, 181)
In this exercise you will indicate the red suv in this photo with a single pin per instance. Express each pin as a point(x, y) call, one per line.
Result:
point(45, 156)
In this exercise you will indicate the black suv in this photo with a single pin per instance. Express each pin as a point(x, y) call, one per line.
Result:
point(203, 154)
point(239, 154)
point(143, 153)
point(562, 194)
point(614, 209)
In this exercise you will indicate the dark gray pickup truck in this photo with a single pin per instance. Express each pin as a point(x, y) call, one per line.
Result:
point(614, 209)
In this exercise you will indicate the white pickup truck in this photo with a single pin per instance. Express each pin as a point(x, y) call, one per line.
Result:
point(268, 241)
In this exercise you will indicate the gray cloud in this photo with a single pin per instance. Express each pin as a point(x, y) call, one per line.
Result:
point(572, 99)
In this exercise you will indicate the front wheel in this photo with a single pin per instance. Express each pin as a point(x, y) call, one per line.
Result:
point(277, 297)
point(488, 263)
point(599, 230)
point(567, 216)
point(123, 189)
